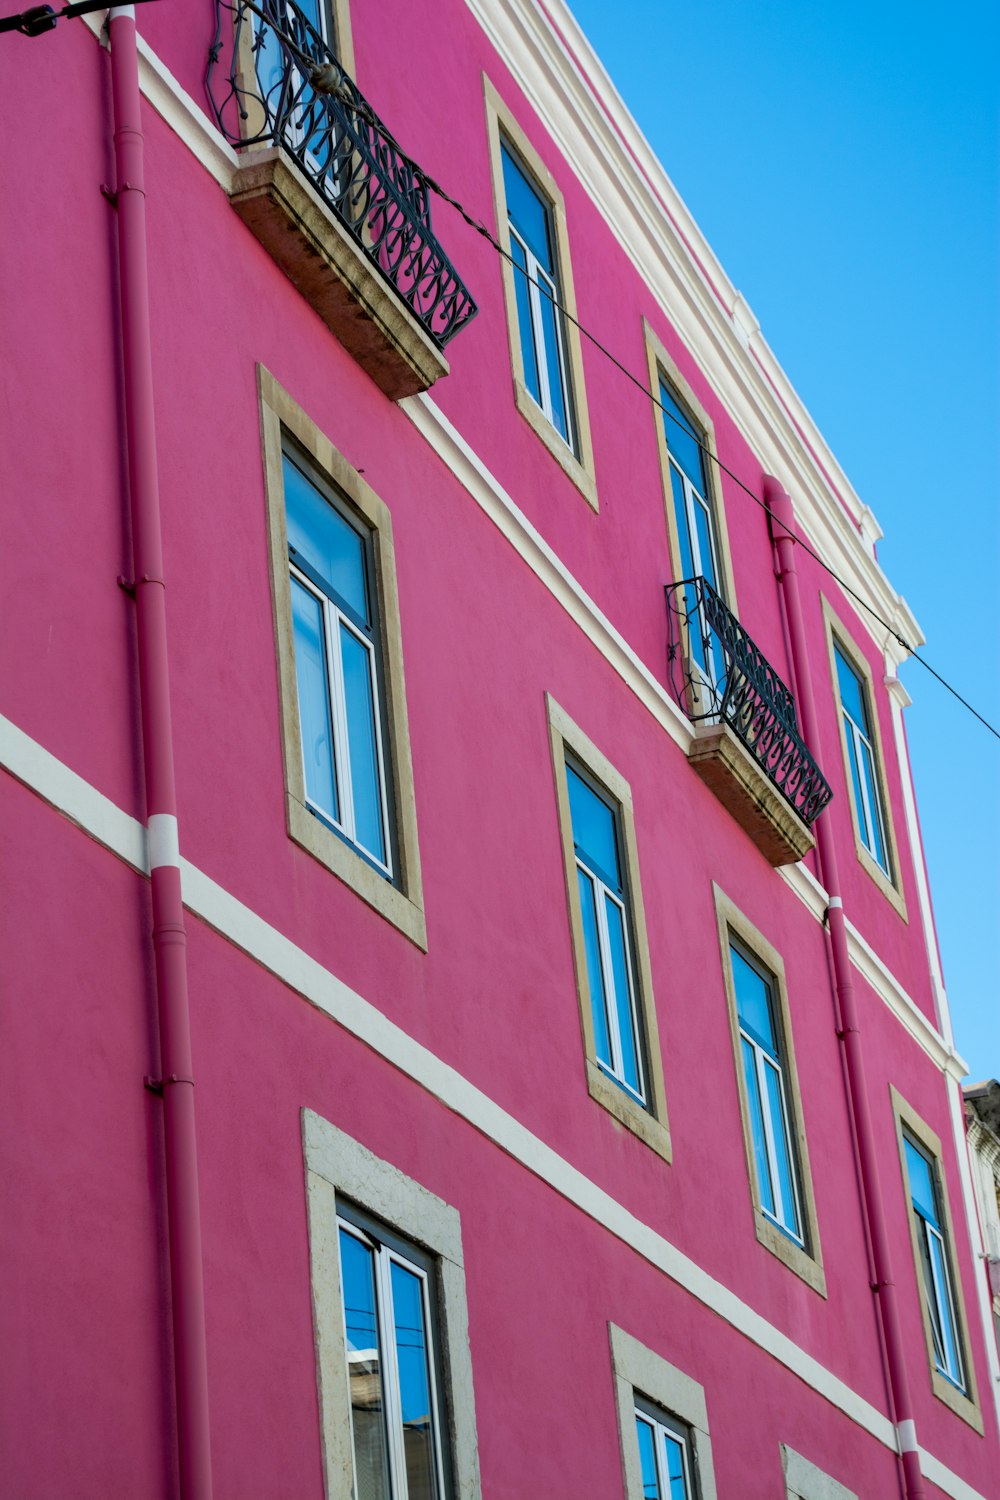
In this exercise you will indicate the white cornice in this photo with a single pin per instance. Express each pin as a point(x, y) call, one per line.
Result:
point(586, 117)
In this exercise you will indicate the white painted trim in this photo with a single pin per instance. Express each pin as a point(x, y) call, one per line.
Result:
point(490, 495)
point(907, 1434)
point(174, 105)
point(558, 72)
point(162, 842)
point(97, 816)
point(739, 365)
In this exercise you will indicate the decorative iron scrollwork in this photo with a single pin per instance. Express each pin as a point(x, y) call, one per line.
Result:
point(719, 674)
point(282, 86)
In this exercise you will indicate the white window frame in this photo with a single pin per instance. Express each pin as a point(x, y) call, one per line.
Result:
point(601, 890)
point(537, 278)
point(664, 1429)
point(341, 1170)
point(641, 1375)
point(384, 1256)
point(764, 1059)
point(870, 820)
point(333, 618)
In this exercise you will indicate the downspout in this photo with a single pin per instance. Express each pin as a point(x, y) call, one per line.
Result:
point(849, 1031)
point(176, 1085)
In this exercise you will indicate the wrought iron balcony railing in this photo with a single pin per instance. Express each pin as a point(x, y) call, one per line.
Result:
point(282, 86)
point(720, 675)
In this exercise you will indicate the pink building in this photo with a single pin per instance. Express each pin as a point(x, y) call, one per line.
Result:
point(522, 858)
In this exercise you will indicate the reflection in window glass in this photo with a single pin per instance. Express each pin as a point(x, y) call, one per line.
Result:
point(922, 1176)
point(664, 1456)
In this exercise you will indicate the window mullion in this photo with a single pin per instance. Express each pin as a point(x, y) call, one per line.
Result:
point(390, 1375)
point(341, 739)
point(610, 995)
point(537, 332)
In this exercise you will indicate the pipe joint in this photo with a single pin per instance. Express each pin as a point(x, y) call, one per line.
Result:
point(157, 1085)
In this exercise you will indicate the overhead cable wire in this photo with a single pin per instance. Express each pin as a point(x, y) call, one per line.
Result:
point(328, 79)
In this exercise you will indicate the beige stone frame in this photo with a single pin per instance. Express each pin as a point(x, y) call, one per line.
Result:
point(966, 1407)
point(579, 465)
point(892, 888)
point(659, 363)
point(807, 1262)
point(402, 903)
point(649, 1124)
point(336, 1164)
point(804, 1481)
point(637, 1371)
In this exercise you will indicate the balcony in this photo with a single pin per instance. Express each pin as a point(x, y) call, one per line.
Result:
point(747, 747)
point(324, 187)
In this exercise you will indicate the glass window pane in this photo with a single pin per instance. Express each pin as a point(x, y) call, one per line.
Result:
point(366, 782)
point(952, 1364)
point(647, 1459)
point(526, 336)
point(930, 1292)
point(414, 1382)
point(787, 1212)
point(553, 359)
point(851, 693)
point(676, 1470)
point(753, 1002)
point(921, 1178)
point(364, 1370)
point(595, 979)
point(325, 539)
point(312, 681)
point(757, 1127)
point(877, 846)
point(859, 801)
point(623, 992)
point(594, 829)
point(527, 211)
point(682, 441)
point(687, 562)
point(706, 544)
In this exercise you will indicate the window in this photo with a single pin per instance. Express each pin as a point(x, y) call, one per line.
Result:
point(940, 1294)
point(663, 1425)
point(348, 782)
point(331, 21)
point(770, 1104)
point(763, 1076)
point(336, 665)
point(540, 325)
point(664, 1455)
point(698, 543)
point(391, 1325)
point(594, 803)
point(863, 761)
point(387, 1288)
point(604, 911)
point(544, 344)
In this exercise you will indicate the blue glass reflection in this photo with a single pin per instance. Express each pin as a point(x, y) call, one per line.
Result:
point(594, 830)
point(753, 1001)
point(922, 1192)
point(524, 325)
point(364, 1367)
point(851, 695)
point(527, 212)
point(327, 542)
point(682, 443)
point(311, 676)
point(647, 1460)
point(676, 1477)
point(366, 788)
point(553, 361)
point(788, 1213)
point(755, 1107)
point(414, 1382)
point(595, 977)
point(623, 990)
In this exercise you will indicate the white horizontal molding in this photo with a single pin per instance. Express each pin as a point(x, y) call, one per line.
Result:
point(488, 493)
point(124, 836)
point(618, 169)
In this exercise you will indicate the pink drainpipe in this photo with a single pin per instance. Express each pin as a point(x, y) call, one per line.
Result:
point(169, 941)
point(884, 1286)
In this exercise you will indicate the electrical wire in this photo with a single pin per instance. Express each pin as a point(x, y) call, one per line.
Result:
point(328, 79)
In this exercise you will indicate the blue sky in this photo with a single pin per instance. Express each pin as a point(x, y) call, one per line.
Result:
point(842, 161)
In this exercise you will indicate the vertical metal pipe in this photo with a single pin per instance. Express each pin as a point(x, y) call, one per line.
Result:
point(169, 941)
point(849, 1030)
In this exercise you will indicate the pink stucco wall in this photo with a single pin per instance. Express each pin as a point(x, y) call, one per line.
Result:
point(87, 1374)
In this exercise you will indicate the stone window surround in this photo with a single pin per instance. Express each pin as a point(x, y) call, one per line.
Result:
point(649, 1124)
point(836, 634)
point(637, 1370)
point(337, 1165)
point(804, 1481)
point(965, 1406)
point(806, 1262)
point(402, 903)
point(579, 466)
